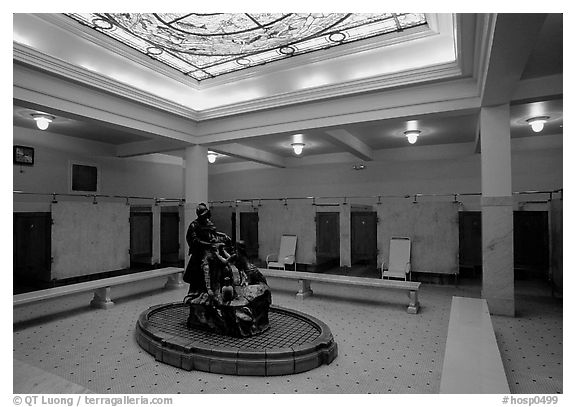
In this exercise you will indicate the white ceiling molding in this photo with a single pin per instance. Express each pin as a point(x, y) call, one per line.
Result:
point(445, 71)
point(238, 96)
point(34, 58)
point(455, 96)
point(68, 24)
point(35, 89)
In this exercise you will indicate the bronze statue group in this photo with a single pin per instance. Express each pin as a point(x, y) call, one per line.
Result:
point(228, 294)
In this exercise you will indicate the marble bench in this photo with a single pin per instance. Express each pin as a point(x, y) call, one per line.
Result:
point(102, 287)
point(472, 361)
point(305, 278)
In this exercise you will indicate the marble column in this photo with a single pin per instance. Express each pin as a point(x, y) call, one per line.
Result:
point(183, 251)
point(345, 232)
point(156, 234)
point(195, 183)
point(497, 214)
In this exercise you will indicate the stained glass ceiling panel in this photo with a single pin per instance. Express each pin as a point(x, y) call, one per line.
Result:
point(204, 46)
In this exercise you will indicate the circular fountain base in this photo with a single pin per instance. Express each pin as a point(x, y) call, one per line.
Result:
point(295, 343)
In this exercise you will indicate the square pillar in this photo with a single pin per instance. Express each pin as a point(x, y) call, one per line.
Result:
point(345, 232)
point(497, 211)
point(156, 234)
point(195, 184)
point(183, 251)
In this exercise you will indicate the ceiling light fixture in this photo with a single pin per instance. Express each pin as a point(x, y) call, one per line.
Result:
point(298, 147)
point(537, 123)
point(412, 135)
point(212, 157)
point(359, 167)
point(42, 120)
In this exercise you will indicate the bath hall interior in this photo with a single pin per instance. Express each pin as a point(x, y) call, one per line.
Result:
point(396, 176)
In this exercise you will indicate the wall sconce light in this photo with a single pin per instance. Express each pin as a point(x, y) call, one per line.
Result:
point(412, 135)
point(298, 147)
point(537, 123)
point(42, 120)
point(211, 157)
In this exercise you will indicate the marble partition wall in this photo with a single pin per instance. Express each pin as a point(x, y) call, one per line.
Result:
point(89, 238)
point(222, 218)
point(432, 228)
point(498, 255)
point(295, 218)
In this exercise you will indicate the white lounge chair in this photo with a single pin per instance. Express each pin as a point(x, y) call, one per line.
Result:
point(286, 255)
point(399, 259)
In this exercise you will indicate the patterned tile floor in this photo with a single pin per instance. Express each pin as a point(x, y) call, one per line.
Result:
point(382, 349)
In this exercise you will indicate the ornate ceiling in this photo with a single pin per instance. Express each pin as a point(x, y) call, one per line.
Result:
point(204, 46)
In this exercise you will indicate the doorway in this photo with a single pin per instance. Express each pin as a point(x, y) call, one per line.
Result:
point(169, 238)
point(249, 233)
point(140, 238)
point(531, 240)
point(32, 250)
point(327, 240)
point(363, 238)
point(470, 243)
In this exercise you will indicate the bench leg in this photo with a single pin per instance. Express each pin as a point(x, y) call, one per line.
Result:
point(174, 281)
point(102, 298)
point(414, 305)
point(304, 289)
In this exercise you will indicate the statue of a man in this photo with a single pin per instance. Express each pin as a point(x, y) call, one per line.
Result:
point(201, 237)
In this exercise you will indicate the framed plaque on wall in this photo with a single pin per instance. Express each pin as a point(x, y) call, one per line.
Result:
point(23, 155)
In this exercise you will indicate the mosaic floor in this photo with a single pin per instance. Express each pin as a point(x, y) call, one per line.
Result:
point(382, 349)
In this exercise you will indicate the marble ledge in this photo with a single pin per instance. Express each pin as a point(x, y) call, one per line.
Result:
point(497, 201)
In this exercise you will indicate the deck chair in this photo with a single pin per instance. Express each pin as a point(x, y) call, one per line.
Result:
point(399, 259)
point(286, 255)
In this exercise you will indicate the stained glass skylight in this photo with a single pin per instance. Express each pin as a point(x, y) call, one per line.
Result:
point(204, 46)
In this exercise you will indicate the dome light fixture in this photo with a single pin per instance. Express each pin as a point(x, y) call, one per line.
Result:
point(537, 123)
point(243, 61)
point(212, 157)
point(412, 135)
point(42, 120)
point(154, 50)
point(298, 147)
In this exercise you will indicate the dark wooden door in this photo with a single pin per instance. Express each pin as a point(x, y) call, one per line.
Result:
point(327, 238)
point(470, 238)
point(169, 237)
point(140, 237)
point(32, 238)
point(531, 248)
point(249, 233)
point(363, 237)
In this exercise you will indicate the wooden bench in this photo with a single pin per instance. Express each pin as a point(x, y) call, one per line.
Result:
point(472, 362)
point(102, 287)
point(305, 278)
